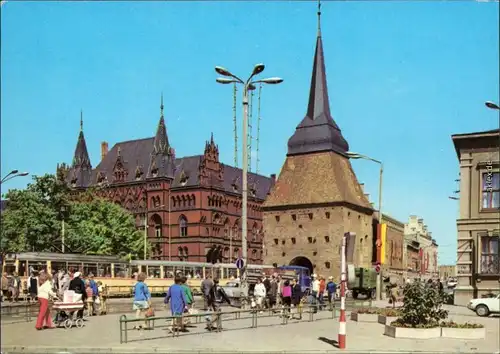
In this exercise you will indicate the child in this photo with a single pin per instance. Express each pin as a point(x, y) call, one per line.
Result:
point(90, 301)
point(102, 297)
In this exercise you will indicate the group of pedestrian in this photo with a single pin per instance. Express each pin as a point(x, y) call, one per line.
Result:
point(11, 287)
point(275, 294)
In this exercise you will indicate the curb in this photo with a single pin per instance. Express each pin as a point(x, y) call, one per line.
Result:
point(123, 350)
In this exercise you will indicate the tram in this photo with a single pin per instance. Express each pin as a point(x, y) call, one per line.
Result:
point(118, 274)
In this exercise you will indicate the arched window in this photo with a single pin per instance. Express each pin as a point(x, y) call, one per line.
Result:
point(172, 200)
point(183, 227)
point(156, 220)
point(254, 232)
point(186, 253)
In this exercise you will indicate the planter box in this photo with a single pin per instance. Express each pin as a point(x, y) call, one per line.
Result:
point(463, 333)
point(413, 333)
point(385, 320)
point(363, 317)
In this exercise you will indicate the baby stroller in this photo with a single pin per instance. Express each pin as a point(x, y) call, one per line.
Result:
point(67, 311)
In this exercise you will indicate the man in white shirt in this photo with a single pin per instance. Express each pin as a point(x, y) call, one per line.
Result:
point(260, 293)
point(314, 291)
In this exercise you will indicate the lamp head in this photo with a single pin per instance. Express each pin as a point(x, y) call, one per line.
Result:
point(272, 80)
point(13, 172)
point(353, 155)
point(257, 69)
point(224, 81)
point(491, 105)
point(24, 173)
point(222, 71)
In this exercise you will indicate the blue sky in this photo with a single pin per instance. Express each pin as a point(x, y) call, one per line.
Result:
point(403, 77)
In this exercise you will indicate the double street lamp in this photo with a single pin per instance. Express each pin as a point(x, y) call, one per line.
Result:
point(354, 155)
point(13, 174)
point(248, 85)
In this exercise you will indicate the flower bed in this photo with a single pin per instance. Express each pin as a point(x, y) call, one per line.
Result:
point(365, 315)
point(386, 316)
point(396, 331)
point(462, 330)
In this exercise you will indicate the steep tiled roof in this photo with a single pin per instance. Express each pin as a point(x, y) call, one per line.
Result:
point(315, 179)
point(136, 154)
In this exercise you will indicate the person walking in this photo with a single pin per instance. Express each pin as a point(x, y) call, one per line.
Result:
point(45, 293)
point(206, 285)
point(176, 296)
point(142, 299)
point(297, 297)
point(260, 294)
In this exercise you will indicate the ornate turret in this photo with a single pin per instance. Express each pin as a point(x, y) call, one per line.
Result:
point(317, 132)
point(80, 173)
point(162, 158)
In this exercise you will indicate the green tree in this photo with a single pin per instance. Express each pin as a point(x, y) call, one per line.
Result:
point(33, 221)
point(102, 227)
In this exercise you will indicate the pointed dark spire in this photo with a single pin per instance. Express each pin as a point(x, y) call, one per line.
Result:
point(161, 145)
point(81, 169)
point(317, 132)
point(162, 159)
point(81, 157)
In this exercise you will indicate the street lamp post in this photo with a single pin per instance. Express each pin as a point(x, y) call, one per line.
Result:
point(63, 229)
point(356, 156)
point(13, 174)
point(248, 85)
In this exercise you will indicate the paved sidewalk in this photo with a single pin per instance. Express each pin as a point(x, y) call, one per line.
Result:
point(101, 334)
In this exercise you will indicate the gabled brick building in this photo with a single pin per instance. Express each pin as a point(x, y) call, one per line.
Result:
point(317, 197)
point(189, 203)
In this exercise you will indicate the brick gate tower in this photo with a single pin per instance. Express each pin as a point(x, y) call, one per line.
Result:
point(317, 196)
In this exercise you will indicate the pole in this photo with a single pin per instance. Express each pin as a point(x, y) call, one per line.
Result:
point(62, 235)
point(169, 228)
point(342, 319)
point(230, 244)
point(145, 235)
point(379, 274)
point(244, 197)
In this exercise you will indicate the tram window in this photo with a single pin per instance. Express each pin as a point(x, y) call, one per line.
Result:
point(74, 267)
point(57, 266)
point(189, 272)
point(134, 271)
point(121, 271)
point(9, 268)
point(232, 273)
point(198, 272)
point(153, 272)
point(104, 270)
point(168, 272)
point(22, 269)
point(90, 268)
point(38, 266)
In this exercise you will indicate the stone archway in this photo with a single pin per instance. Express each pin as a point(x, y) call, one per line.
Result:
point(302, 262)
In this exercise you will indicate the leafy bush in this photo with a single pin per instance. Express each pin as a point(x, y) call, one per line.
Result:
point(422, 306)
point(451, 324)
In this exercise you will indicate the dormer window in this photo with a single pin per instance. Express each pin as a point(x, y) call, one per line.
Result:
point(235, 187)
point(154, 172)
point(183, 179)
point(73, 182)
point(100, 178)
point(138, 173)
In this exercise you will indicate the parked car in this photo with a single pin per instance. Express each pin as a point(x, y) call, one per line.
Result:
point(485, 306)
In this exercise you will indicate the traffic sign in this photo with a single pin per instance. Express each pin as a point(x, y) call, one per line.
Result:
point(377, 268)
point(239, 263)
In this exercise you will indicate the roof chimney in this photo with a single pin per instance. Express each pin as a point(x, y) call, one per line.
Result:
point(104, 149)
point(362, 185)
point(367, 196)
point(273, 181)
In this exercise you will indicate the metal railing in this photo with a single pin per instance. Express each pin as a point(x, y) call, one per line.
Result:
point(175, 323)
